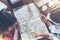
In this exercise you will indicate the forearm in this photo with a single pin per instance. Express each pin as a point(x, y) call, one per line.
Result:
point(48, 23)
point(37, 34)
point(44, 35)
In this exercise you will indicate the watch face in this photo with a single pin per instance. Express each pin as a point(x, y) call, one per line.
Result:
point(15, 3)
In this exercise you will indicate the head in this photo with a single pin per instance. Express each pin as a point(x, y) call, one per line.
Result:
point(55, 15)
point(7, 21)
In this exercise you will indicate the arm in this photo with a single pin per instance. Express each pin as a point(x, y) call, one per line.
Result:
point(38, 34)
point(46, 21)
point(43, 34)
point(51, 27)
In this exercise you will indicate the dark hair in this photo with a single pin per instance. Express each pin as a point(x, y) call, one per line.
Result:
point(6, 20)
point(55, 15)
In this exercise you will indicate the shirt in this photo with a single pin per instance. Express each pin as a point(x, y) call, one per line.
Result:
point(55, 30)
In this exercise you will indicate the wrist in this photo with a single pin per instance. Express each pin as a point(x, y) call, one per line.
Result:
point(46, 21)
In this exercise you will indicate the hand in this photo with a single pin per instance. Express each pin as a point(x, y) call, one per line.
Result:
point(43, 18)
point(37, 34)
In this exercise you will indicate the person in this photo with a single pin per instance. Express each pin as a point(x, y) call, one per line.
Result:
point(53, 24)
point(55, 19)
point(8, 22)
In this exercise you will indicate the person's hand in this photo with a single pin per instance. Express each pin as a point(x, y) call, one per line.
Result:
point(37, 34)
point(46, 21)
point(43, 18)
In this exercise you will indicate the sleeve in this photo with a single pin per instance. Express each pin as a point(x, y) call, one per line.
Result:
point(51, 36)
point(2, 6)
point(52, 28)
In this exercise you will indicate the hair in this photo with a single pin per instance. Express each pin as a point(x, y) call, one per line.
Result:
point(55, 15)
point(6, 20)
